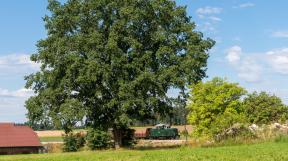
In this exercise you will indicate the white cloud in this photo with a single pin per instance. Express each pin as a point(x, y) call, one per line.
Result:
point(12, 104)
point(262, 69)
point(23, 92)
point(247, 68)
point(278, 59)
point(17, 64)
point(207, 26)
point(280, 34)
point(208, 10)
point(12, 109)
point(13, 68)
point(245, 5)
point(17, 59)
point(201, 16)
point(210, 20)
point(282, 93)
point(214, 18)
point(233, 54)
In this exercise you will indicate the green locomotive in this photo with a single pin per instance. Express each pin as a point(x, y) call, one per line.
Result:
point(160, 131)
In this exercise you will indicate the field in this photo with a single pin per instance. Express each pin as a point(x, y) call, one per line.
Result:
point(268, 151)
point(51, 139)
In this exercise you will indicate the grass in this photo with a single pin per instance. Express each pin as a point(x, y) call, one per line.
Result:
point(268, 151)
point(51, 139)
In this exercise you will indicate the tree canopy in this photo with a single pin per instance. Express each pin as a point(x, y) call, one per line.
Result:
point(262, 108)
point(214, 106)
point(111, 62)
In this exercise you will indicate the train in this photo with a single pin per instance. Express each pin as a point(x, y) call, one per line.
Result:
point(159, 132)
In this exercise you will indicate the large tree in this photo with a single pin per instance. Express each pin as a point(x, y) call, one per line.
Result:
point(110, 62)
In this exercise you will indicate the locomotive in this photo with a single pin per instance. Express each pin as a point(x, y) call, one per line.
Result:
point(160, 131)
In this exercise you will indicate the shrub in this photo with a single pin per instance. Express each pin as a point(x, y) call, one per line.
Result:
point(73, 142)
point(263, 108)
point(227, 120)
point(98, 139)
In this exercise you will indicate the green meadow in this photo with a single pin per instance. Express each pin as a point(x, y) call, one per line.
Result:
point(51, 139)
point(269, 151)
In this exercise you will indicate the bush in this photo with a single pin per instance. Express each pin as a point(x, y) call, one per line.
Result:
point(98, 139)
point(73, 142)
point(262, 108)
point(227, 120)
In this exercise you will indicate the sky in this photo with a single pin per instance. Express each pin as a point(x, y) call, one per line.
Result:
point(251, 46)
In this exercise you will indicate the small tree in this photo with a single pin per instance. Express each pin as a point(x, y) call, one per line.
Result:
point(262, 108)
point(73, 142)
point(214, 106)
point(98, 139)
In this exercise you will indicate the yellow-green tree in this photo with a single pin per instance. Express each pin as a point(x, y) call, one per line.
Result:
point(214, 106)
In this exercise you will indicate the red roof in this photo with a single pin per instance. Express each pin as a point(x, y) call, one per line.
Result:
point(17, 136)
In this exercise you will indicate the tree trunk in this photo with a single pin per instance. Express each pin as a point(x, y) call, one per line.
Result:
point(117, 134)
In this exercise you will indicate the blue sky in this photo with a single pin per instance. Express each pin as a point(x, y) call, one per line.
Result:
point(251, 49)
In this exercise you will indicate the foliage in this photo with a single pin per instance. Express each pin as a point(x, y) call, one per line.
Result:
point(262, 108)
point(226, 121)
point(38, 120)
point(112, 62)
point(215, 106)
point(73, 142)
point(98, 139)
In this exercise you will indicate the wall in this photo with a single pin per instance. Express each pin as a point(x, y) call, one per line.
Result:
point(20, 150)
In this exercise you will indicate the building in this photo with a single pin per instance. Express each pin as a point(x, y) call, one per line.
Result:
point(18, 139)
